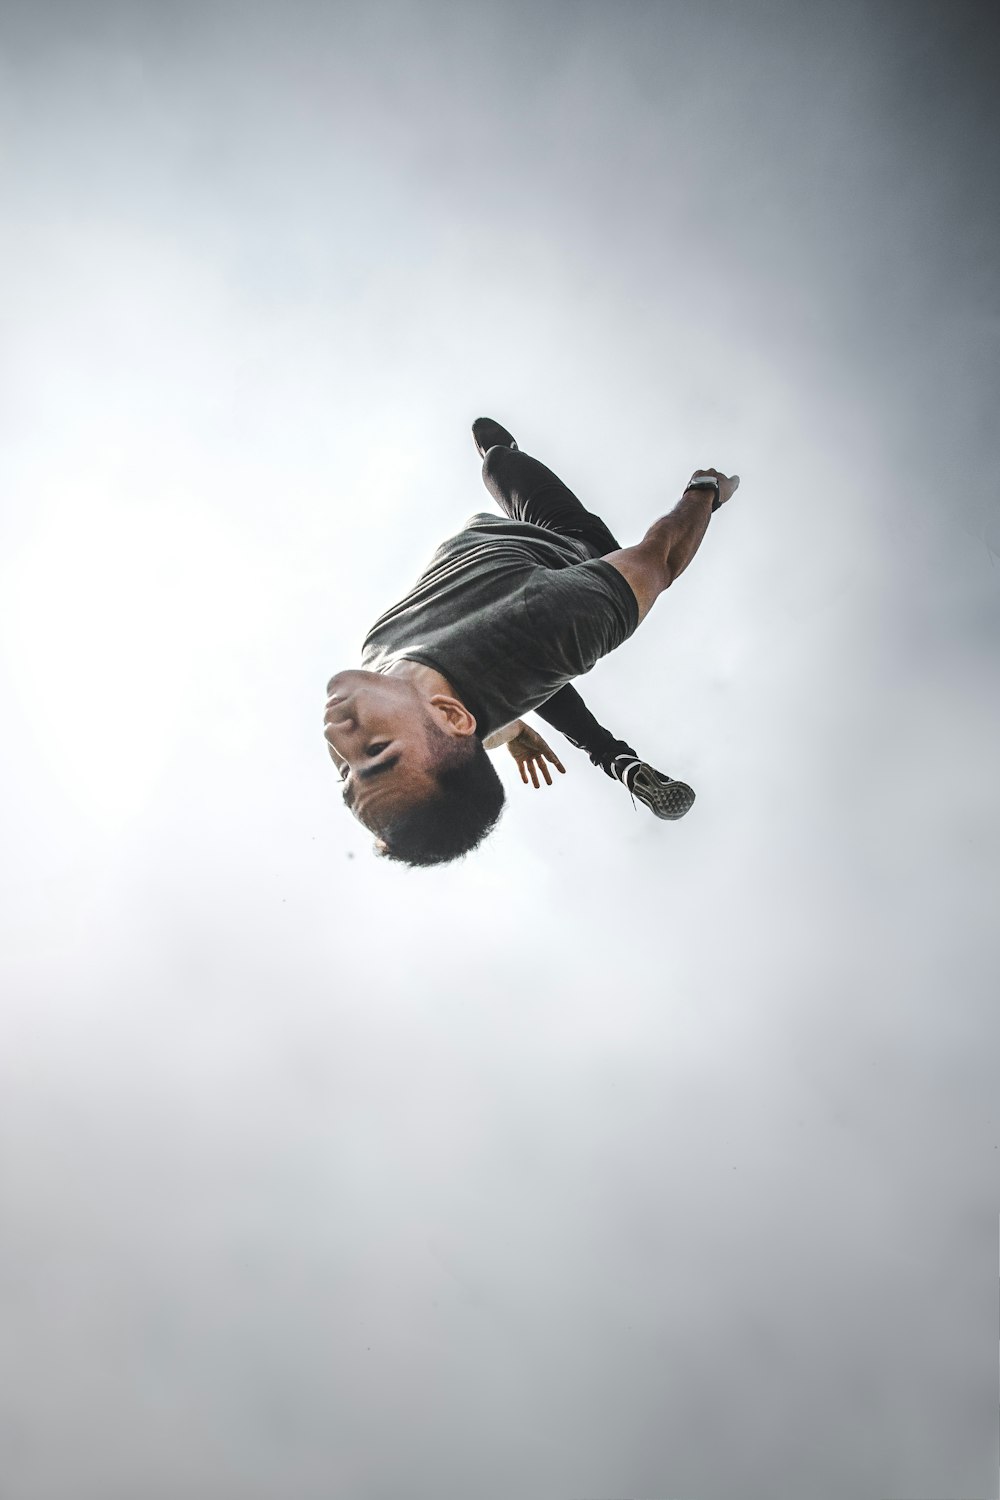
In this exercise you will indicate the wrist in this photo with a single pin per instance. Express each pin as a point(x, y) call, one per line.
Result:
point(705, 485)
point(503, 736)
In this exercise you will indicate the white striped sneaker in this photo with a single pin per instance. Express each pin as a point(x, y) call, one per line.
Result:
point(663, 796)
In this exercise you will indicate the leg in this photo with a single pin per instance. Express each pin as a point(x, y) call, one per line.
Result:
point(665, 797)
point(567, 712)
point(527, 491)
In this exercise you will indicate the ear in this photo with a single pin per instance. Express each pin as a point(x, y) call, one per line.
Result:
point(456, 716)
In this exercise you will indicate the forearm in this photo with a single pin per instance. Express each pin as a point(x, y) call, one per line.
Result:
point(682, 532)
point(503, 736)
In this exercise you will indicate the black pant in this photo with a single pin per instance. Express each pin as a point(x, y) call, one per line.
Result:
point(526, 490)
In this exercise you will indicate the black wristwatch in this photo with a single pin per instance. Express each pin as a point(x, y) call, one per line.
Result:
point(706, 482)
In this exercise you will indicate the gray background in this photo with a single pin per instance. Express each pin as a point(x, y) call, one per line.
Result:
point(626, 1159)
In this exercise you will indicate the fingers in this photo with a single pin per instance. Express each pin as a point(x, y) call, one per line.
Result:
point(733, 479)
point(530, 765)
point(728, 484)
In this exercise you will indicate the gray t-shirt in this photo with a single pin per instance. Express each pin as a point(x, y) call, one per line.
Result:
point(509, 613)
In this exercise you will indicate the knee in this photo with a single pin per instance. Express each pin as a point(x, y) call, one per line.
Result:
point(493, 462)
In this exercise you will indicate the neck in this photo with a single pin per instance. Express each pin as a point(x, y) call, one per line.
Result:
point(427, 679)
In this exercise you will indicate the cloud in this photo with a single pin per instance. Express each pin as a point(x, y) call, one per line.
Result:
point(626, 1158)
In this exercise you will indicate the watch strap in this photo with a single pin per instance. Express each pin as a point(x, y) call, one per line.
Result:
point(706, 482)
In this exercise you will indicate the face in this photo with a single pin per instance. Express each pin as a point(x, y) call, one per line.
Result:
point(376, 726)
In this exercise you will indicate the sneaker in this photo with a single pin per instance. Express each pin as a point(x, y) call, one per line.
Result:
point(664, 797)
point(487, 434)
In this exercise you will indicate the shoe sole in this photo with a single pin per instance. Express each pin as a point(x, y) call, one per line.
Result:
point(668, 800)
point(492, 436)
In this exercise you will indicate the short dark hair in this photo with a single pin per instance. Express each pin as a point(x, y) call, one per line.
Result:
point(455, 820)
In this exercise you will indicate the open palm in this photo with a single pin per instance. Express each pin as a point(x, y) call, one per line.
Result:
point(532, 755)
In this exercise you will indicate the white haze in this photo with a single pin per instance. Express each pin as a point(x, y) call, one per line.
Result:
point(624, 1158)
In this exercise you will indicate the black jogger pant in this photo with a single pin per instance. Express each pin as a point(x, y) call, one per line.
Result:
point(526, 490)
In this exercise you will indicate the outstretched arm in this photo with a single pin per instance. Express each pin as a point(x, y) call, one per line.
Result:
point(672, 541)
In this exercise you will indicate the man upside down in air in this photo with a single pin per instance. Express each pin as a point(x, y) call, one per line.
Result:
point(507, 613)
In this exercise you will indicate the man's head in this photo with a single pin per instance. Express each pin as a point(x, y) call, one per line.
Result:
point(415, 772)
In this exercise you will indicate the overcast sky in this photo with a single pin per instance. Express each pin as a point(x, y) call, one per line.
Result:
point(624, 1159)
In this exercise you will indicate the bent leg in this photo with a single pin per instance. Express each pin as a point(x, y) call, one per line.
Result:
point(567, 712)
point(527, 491)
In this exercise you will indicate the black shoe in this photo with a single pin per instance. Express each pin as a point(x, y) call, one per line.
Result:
point(663, 796)
point(487, 434)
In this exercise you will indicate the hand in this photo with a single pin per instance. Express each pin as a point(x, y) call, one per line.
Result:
point(727, 486)
point(531, 752)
